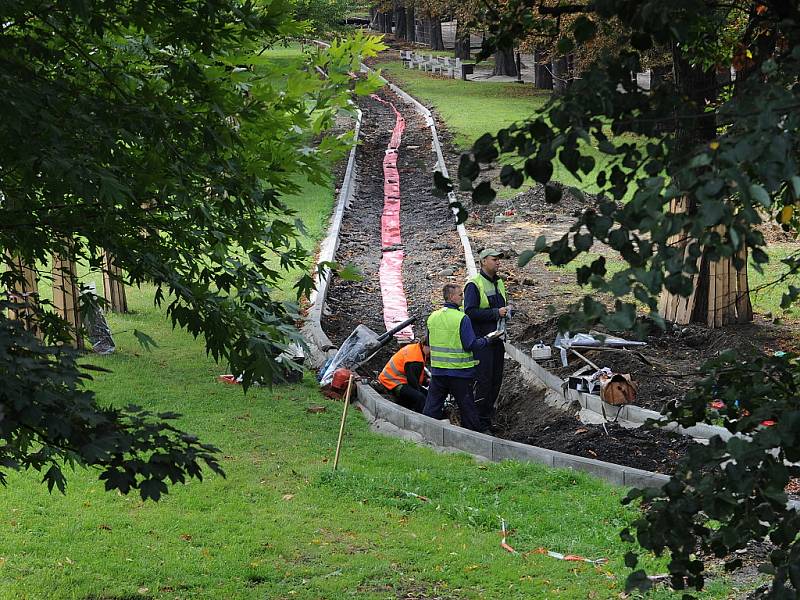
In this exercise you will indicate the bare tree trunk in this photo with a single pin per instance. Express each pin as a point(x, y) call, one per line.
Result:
point(504, 63)
point(435, 27)
point(559, 69)
point(399, 21)
point(411, 25)
point(720, 293)
point(387, 23)
point(462, 46)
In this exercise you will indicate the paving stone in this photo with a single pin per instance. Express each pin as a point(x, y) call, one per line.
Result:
point(508, 450)
point(430, 429)
point(610, 472)
point(389, 411)
point(366, 396)
point(643, 479)
point(467, 440)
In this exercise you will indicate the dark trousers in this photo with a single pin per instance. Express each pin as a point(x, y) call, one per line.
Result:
point(488, 378)
point(409, 397)
point(461, 389)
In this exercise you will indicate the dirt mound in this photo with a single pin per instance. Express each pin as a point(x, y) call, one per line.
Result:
point(524, 416)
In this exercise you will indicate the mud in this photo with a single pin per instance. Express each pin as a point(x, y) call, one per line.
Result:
point(524, 416)
point(433, 253)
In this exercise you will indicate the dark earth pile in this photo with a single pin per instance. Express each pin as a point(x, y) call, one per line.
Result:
point(433, 253)
point(523, 416)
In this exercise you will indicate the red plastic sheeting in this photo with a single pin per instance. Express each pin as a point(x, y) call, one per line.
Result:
point(395, 304)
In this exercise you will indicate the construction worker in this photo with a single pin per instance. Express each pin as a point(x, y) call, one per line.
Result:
point(486, 303)
point(404, 375)
point(453, 344)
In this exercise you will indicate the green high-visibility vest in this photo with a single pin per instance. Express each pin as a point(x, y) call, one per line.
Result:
point(444, 331)
point(486, 289)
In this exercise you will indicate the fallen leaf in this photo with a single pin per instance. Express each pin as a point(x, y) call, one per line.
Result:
point(593, 453)
point(143, 590)
point(581, 430)
point(186, 537)
point(316, 409)
point(288, 496)
point(104, 527)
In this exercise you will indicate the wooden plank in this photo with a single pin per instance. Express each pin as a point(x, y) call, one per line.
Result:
point(25, 290)
point(712, 292)
point(744, 310)
point(113, 286)
point(66, 296)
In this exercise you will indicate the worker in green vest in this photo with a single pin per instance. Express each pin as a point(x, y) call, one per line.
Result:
point(486, 304)
point(453, 346)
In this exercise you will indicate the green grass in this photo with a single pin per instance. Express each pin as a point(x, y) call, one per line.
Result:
point(766, 300)
point(282, 524)
point(470, 109)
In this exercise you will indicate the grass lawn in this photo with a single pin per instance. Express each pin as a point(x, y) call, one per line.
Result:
point(470, 109)
point(765, 298)
point(282, 524)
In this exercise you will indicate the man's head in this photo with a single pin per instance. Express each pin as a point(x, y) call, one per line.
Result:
point(425, 344)
point(490, 261)
point(453, 293)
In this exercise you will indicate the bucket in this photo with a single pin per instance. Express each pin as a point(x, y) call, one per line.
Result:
point(541, 352)
point(340, 378)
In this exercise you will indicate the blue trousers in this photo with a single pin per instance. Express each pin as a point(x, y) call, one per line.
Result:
point(488, 379)
point(461, 389)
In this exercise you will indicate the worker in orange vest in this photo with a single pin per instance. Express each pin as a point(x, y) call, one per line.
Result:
point(404, 374)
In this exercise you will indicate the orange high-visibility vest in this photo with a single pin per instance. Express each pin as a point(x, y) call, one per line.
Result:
point(394, 373)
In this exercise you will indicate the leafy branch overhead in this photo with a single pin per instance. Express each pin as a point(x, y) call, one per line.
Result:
point(689, 170)
point(165, 135)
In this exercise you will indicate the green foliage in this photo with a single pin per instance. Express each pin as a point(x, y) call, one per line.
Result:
point(358, 533)
point(730, 492)
point(163, 134)
point(731, 152)
point(323, 16)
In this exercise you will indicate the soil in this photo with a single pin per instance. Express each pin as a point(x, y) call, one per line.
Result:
point(523, 416)
point(433, 253)
point(434, 257)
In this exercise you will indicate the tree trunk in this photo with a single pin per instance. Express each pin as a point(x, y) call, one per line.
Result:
point(504, 63)
point(411, 25)
point(559, 69)
point(373, 16)
point(435, 28)
point(399, 21)
point(462, 45)
point(387, 23)
point(720, 293)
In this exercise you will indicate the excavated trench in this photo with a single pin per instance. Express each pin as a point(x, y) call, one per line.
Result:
point(433, 257)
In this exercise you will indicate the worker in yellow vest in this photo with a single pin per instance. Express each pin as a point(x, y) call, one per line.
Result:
point(486, 303)
point(453, 346)
point(404, 375)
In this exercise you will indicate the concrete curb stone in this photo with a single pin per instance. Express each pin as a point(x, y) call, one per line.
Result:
point(401, 422)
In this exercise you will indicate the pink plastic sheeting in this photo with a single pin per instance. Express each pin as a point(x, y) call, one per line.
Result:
point(390, 273)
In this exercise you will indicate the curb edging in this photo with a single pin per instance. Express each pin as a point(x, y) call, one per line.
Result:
point(441, 434)
point(444, 436)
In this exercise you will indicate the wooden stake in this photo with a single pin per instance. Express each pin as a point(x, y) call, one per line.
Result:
point(25, 291)
point(744, 310)
point(344, 417)
point(66, 297)
point(113, 286)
